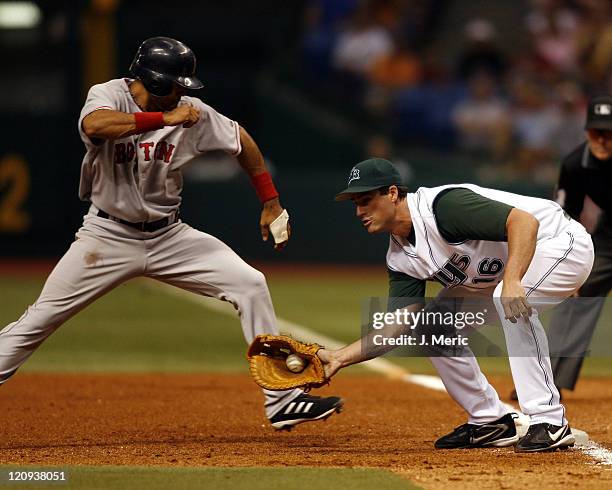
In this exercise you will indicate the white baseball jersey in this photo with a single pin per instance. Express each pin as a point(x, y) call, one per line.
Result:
point(474, 269)
point(138, 178)
point(472, 263)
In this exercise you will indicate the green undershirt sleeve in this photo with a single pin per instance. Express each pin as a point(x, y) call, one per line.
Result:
point(404, 290)
point(462, 214)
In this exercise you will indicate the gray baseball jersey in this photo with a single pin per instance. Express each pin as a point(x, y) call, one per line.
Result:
point(138, 178)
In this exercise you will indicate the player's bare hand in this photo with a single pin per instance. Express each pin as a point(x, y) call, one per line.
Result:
point(514, 301)
point(270, 212)
point(184, 114)
point(331, 363)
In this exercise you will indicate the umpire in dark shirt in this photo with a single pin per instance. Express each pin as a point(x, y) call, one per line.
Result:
point(586, 174)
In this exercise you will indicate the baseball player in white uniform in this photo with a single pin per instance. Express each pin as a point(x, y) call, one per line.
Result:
point(522, 253)
point(139, 133)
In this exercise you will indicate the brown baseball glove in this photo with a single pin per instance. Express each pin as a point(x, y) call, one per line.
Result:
point(267, 355)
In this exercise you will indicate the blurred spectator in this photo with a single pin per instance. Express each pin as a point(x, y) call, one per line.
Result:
point(569, 131)
point(423, 114)
point(361, 43)
point(481, 52)
point(389, 68)
point(553, 29)
point(594, 41)
point(556, 49)
point(482, 119)
point(535, 120)
point(321, 22)
point(545, 12)
point(397, 70)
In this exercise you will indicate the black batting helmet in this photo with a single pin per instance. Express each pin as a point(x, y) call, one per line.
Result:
point(162, 61)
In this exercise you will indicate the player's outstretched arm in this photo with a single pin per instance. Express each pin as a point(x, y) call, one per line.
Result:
point(273, 217)
point(105, 124)
point(367, 347)
point(334, 360)
point(361, 350)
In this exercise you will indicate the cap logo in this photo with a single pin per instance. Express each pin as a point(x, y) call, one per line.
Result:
point(602, 109)
point(354, 175)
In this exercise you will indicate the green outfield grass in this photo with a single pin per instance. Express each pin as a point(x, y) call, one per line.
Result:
point(135, 328)
point(140, 328)
point(119, 478)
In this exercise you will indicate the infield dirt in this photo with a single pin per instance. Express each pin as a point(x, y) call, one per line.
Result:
point(217, 420)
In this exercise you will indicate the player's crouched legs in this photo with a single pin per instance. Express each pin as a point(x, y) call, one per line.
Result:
point(532, 374)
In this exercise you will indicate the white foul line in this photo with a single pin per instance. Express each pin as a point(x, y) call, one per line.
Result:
point(598, 453)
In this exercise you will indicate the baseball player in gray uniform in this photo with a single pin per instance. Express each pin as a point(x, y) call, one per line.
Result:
point(519, 253)
point(139, 133)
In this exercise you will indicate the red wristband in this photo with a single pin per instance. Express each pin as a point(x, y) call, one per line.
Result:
point(148, 121)
point(264, 187)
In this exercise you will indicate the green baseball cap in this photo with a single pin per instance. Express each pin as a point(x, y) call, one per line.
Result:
point(369, 175)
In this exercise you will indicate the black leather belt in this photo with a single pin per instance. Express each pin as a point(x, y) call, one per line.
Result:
point(142, 226)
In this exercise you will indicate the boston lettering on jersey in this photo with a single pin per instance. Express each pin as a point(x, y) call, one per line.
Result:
point(452, 274)
point(125, 152)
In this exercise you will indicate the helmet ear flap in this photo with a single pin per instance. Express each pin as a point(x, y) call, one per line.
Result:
point(157, 84)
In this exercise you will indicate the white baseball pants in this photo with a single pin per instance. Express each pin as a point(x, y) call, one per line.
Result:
point(559, 267)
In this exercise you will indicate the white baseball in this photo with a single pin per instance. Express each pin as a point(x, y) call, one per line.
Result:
point(295, 363)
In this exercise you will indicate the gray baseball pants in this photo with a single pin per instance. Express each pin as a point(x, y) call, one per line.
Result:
point(106, 254)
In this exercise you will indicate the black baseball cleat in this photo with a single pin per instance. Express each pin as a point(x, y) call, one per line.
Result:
point(545, 437)
point(306, 408)
point(499, 433)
